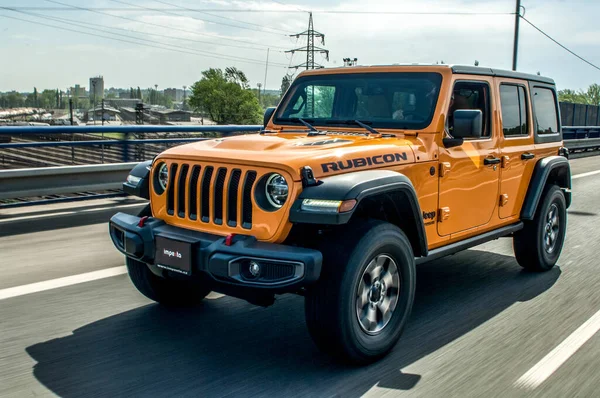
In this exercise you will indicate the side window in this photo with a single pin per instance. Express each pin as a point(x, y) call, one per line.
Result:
point(514, 110)
point(471, 95)
point(544, 107)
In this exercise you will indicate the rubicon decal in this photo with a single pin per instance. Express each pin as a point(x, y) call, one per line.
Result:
point(362, 162)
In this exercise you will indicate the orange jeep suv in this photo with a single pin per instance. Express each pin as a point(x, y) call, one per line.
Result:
point(360, 174)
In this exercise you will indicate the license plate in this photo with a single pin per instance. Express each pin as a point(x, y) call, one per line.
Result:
point(173, 255)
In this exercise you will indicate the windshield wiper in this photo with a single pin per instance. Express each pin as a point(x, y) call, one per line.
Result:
point(304, 122)
point(356, 122)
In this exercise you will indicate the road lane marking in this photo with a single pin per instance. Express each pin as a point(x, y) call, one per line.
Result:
point(65, 213)
point(591, 173)
point(61, 282)
point(551, 362)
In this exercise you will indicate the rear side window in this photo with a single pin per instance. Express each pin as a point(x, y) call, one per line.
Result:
point(514, 110)
point(544, 106)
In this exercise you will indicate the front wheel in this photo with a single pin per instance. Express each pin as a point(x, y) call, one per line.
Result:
point(169, 292)
point(539, 244)
point(358, 309)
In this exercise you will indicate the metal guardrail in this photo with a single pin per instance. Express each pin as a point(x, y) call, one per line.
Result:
point(36, 182)
point(58, 180)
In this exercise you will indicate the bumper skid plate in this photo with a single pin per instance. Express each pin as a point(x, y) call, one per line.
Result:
point(244, 262)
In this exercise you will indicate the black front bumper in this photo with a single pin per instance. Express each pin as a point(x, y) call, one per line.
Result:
point(283, 268)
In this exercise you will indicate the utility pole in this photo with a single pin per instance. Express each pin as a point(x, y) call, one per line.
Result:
point(266, 69)
point(259, 86)
point(71, 110)
point(310, 48)
point(516, 42)
point(184, 106)
point(103, 113)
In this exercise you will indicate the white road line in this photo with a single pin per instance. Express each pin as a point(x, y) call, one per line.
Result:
point(591, 173)
point(551, 362)
point(61, 282)
point(64, 213)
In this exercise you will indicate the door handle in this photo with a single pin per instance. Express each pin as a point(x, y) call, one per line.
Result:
point(489, 161)
point(527, 156)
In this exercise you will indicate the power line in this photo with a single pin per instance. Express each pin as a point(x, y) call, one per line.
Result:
point(208, 53)
point(222, 17)
point(249, 10)
point(164, 26)
point(196, 18)
point(194, 52)
point(560, 45)
point(70, 21)
point(289, 5)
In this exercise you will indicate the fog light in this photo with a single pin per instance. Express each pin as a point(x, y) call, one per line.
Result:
point(133, 180)
point(254, 269)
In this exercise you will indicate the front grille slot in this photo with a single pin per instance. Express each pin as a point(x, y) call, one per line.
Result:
point(171, 190)
point(232, 197)
point(193, 195)
point(211, 194)
point(247, 199)
point(205, 193)
point(181, 190)
point(218, 196)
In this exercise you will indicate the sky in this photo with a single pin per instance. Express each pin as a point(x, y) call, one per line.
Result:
point(166, 45)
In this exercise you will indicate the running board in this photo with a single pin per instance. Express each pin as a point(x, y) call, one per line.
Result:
point(468, 243)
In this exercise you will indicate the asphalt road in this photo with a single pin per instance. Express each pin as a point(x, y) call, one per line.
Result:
point(479, 323)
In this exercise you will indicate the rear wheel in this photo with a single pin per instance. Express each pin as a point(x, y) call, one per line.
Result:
point(539, 244)
point(165, 291)
point(358, 309)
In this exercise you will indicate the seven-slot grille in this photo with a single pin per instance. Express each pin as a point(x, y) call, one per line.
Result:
point(211, 194)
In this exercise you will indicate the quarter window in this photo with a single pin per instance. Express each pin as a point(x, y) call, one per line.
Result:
point(514, 110)
point(544, 106)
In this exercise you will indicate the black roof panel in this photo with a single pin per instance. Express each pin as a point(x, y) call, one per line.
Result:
point(477, 70)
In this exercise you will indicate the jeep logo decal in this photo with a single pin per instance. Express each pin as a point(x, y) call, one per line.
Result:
point(429, 216)
point(362, 162)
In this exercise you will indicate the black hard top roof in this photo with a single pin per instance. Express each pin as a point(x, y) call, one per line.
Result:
point(478, 70)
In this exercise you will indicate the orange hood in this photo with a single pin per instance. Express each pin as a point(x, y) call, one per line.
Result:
point(329, 154)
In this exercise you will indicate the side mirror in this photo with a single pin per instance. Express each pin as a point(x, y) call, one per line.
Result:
point(268, 114)
point(468, 123)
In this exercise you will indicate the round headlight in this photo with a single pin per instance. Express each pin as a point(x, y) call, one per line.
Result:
point(276, 190)
point(163, 176)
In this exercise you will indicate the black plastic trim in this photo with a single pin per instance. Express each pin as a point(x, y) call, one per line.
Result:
point(211, 256)
point(358, 186)
point(470, 242)
point(541, 172)
point(481, 71)
point(142, 189)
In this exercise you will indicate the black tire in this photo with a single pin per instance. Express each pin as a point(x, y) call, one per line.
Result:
point(530, 245)
point(331, 305)
point(169, 292)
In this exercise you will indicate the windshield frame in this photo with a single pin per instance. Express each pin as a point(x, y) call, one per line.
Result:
point(436, 78)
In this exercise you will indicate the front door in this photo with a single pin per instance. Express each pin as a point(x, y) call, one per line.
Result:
point(469, 173)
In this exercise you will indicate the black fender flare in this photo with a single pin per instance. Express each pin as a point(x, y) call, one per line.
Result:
point(553, 165)
point(358, 186)
point(142, 188)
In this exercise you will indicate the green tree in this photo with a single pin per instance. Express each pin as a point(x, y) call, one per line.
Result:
point(589, 97)
point(139, 93)
point(12, 100)
point(224, 96)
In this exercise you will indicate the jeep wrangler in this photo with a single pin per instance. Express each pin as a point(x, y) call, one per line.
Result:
point(359, 175)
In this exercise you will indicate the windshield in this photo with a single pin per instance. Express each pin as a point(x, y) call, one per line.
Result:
point(403, 100)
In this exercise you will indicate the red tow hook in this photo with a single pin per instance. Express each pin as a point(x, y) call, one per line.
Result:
point(229, 239)
point(142, 221)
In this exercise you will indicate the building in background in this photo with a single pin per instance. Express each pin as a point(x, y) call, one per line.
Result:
point(97, 87)
point(78, 91)
point(175, 94)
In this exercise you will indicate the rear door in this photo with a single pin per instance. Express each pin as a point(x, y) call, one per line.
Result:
point(517, 144)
